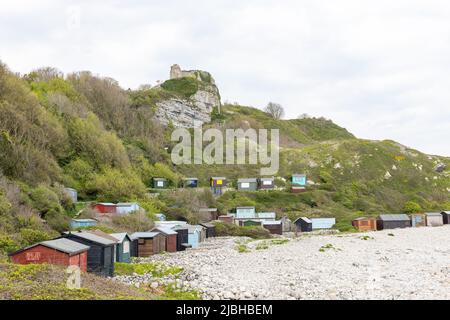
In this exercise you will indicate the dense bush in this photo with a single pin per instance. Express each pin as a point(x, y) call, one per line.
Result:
point(412, 207)
point(31, 236)
point(228, 229)
point(116, 185)
point(133, 222)
point(184, 87)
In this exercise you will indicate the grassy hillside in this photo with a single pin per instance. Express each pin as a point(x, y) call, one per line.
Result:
point(48, 282)
point(84, 131)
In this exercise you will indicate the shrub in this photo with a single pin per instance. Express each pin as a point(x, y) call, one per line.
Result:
point(156, 269)
point(31, 236)
point(133, 222)
point(227, 229)
point(344, 226)
point(184, 87)
point(44, 199)
point(57, 220)
point(116, 185)
point(412, 207)
point(7, 244)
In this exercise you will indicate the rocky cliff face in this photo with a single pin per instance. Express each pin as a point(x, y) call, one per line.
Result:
point(194, 96)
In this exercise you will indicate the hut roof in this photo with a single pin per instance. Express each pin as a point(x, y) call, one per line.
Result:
point(120, 236)
point(92, 237)
point(435, 214)
point(84, 220)
point(100, 233)
point(218, 178)
point(192, 178)
point(271, 222)
point(194, 228)
point(267, 179)
point(207, 209)
point(247, 180)
point(363, 218)
point(126, 204)
point(106, 203)
point(160, 179)
point(207, 225)
point(165, 230)
point(446, 212)
point(64, 245)
point(299, 175)
point(266, 215)
point(144, 235)
point(394, 217)
point(307, 220)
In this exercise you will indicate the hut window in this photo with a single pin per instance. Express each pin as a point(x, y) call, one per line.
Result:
point(126, 247)
point(245, 185)
point(160, 184)
point(219, 182)
point(267, 182)
point(33, 256)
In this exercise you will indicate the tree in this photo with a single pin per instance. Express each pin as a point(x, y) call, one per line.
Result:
point(275, 110)
point(412, 207)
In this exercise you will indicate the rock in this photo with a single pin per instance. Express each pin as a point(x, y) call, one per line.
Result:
point(154, 285)
point(190, 112)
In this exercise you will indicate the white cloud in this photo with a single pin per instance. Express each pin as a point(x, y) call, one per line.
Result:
point(378, 68)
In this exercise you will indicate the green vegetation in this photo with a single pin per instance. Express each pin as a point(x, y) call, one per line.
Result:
point(48, 282)
point(242, 248)
point(327, 247)
point(86, 132)
point(156, 269)
point(184, 87)
point(279, 241)
point(263, 245)
point(228, 229)
point(412, 207)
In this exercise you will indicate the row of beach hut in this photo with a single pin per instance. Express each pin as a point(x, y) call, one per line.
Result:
point(297, 181)
point(394, 221)
point(96, 251)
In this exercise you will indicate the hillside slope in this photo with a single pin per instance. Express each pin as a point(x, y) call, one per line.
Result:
point(86, 132)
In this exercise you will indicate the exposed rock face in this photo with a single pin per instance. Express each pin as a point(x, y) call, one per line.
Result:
point(194, 110)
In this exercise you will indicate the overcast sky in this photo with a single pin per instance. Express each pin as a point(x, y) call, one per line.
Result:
point(380, 68)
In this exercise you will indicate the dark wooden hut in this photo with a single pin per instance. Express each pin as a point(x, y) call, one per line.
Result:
point(145, 244)
point(446, 217)
point(393, 221)
point(100, 256)
point(266, 183)
point(210, 229)
point(303, 224)
point(171, 237)
point(274, 227)
point(182, 238)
